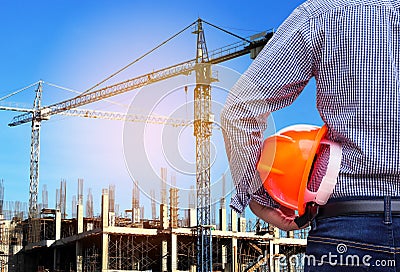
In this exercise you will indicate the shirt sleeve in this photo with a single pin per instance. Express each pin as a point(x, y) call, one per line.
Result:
point(273, 81)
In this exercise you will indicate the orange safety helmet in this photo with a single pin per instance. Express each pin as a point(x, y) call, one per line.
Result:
point(287, 160)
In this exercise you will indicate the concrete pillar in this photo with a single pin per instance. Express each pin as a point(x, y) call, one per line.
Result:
point(277, 262)
point(192, 217)
point(79, 256)
point(136, 215)
point(104, 255)
point(224, 256)
point(56, 257)
point(164, 256)
point(234, 264)
point(79, 213)
point(174, 252)
point(271, 256)
point(104, 208)
point(105, 224)
point(242, 224)
point(111, 219)
point(234, 221)
point(222, 219)
point(277, 232)
point(164, 216)
point(58, 225)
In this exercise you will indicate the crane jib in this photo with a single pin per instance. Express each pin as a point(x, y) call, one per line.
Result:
point(216, 56)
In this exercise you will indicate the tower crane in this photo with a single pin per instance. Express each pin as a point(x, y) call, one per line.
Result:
point(201, 65)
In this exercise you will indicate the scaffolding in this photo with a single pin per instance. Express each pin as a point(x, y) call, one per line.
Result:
point(51, 243)
point(92, 259)
point(108, 242)
point(47, 227)
point(127, 252)
point(15, 209)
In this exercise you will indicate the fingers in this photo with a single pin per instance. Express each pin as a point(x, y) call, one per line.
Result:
point(274, 216)
point(277, 218)
point(288, 212)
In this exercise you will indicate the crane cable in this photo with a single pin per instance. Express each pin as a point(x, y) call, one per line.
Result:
point(139, 58)
point(228, 32)
point(18, 91)
point(136, 60)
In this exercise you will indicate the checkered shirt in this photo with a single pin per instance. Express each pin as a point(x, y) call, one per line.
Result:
point(351, 48)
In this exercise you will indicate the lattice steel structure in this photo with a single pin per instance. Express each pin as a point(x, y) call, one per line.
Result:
point(35, 152)
point(202, 131)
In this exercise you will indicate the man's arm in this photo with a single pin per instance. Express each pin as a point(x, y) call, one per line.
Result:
point(273, 81)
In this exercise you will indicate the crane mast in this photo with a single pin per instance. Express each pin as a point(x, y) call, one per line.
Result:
point(202, 131)
point(35, 152)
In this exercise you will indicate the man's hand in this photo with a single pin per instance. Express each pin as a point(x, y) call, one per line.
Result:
point(281, 218)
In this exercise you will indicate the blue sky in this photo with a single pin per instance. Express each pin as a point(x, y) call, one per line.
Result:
point(75, 44)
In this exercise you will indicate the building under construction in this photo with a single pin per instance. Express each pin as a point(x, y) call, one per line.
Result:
point(167, 242)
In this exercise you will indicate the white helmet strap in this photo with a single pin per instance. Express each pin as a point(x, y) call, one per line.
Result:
point(330, 179)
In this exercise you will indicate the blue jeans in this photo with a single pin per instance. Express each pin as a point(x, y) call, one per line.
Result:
point(354, 243)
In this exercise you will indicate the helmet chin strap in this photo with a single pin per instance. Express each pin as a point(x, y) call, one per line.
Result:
point(310, 213)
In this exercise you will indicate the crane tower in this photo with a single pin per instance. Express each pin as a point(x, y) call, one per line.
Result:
point(202, 131)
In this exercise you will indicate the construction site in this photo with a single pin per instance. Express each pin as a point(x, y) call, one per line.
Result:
point(166, 242)
point(204, 237)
